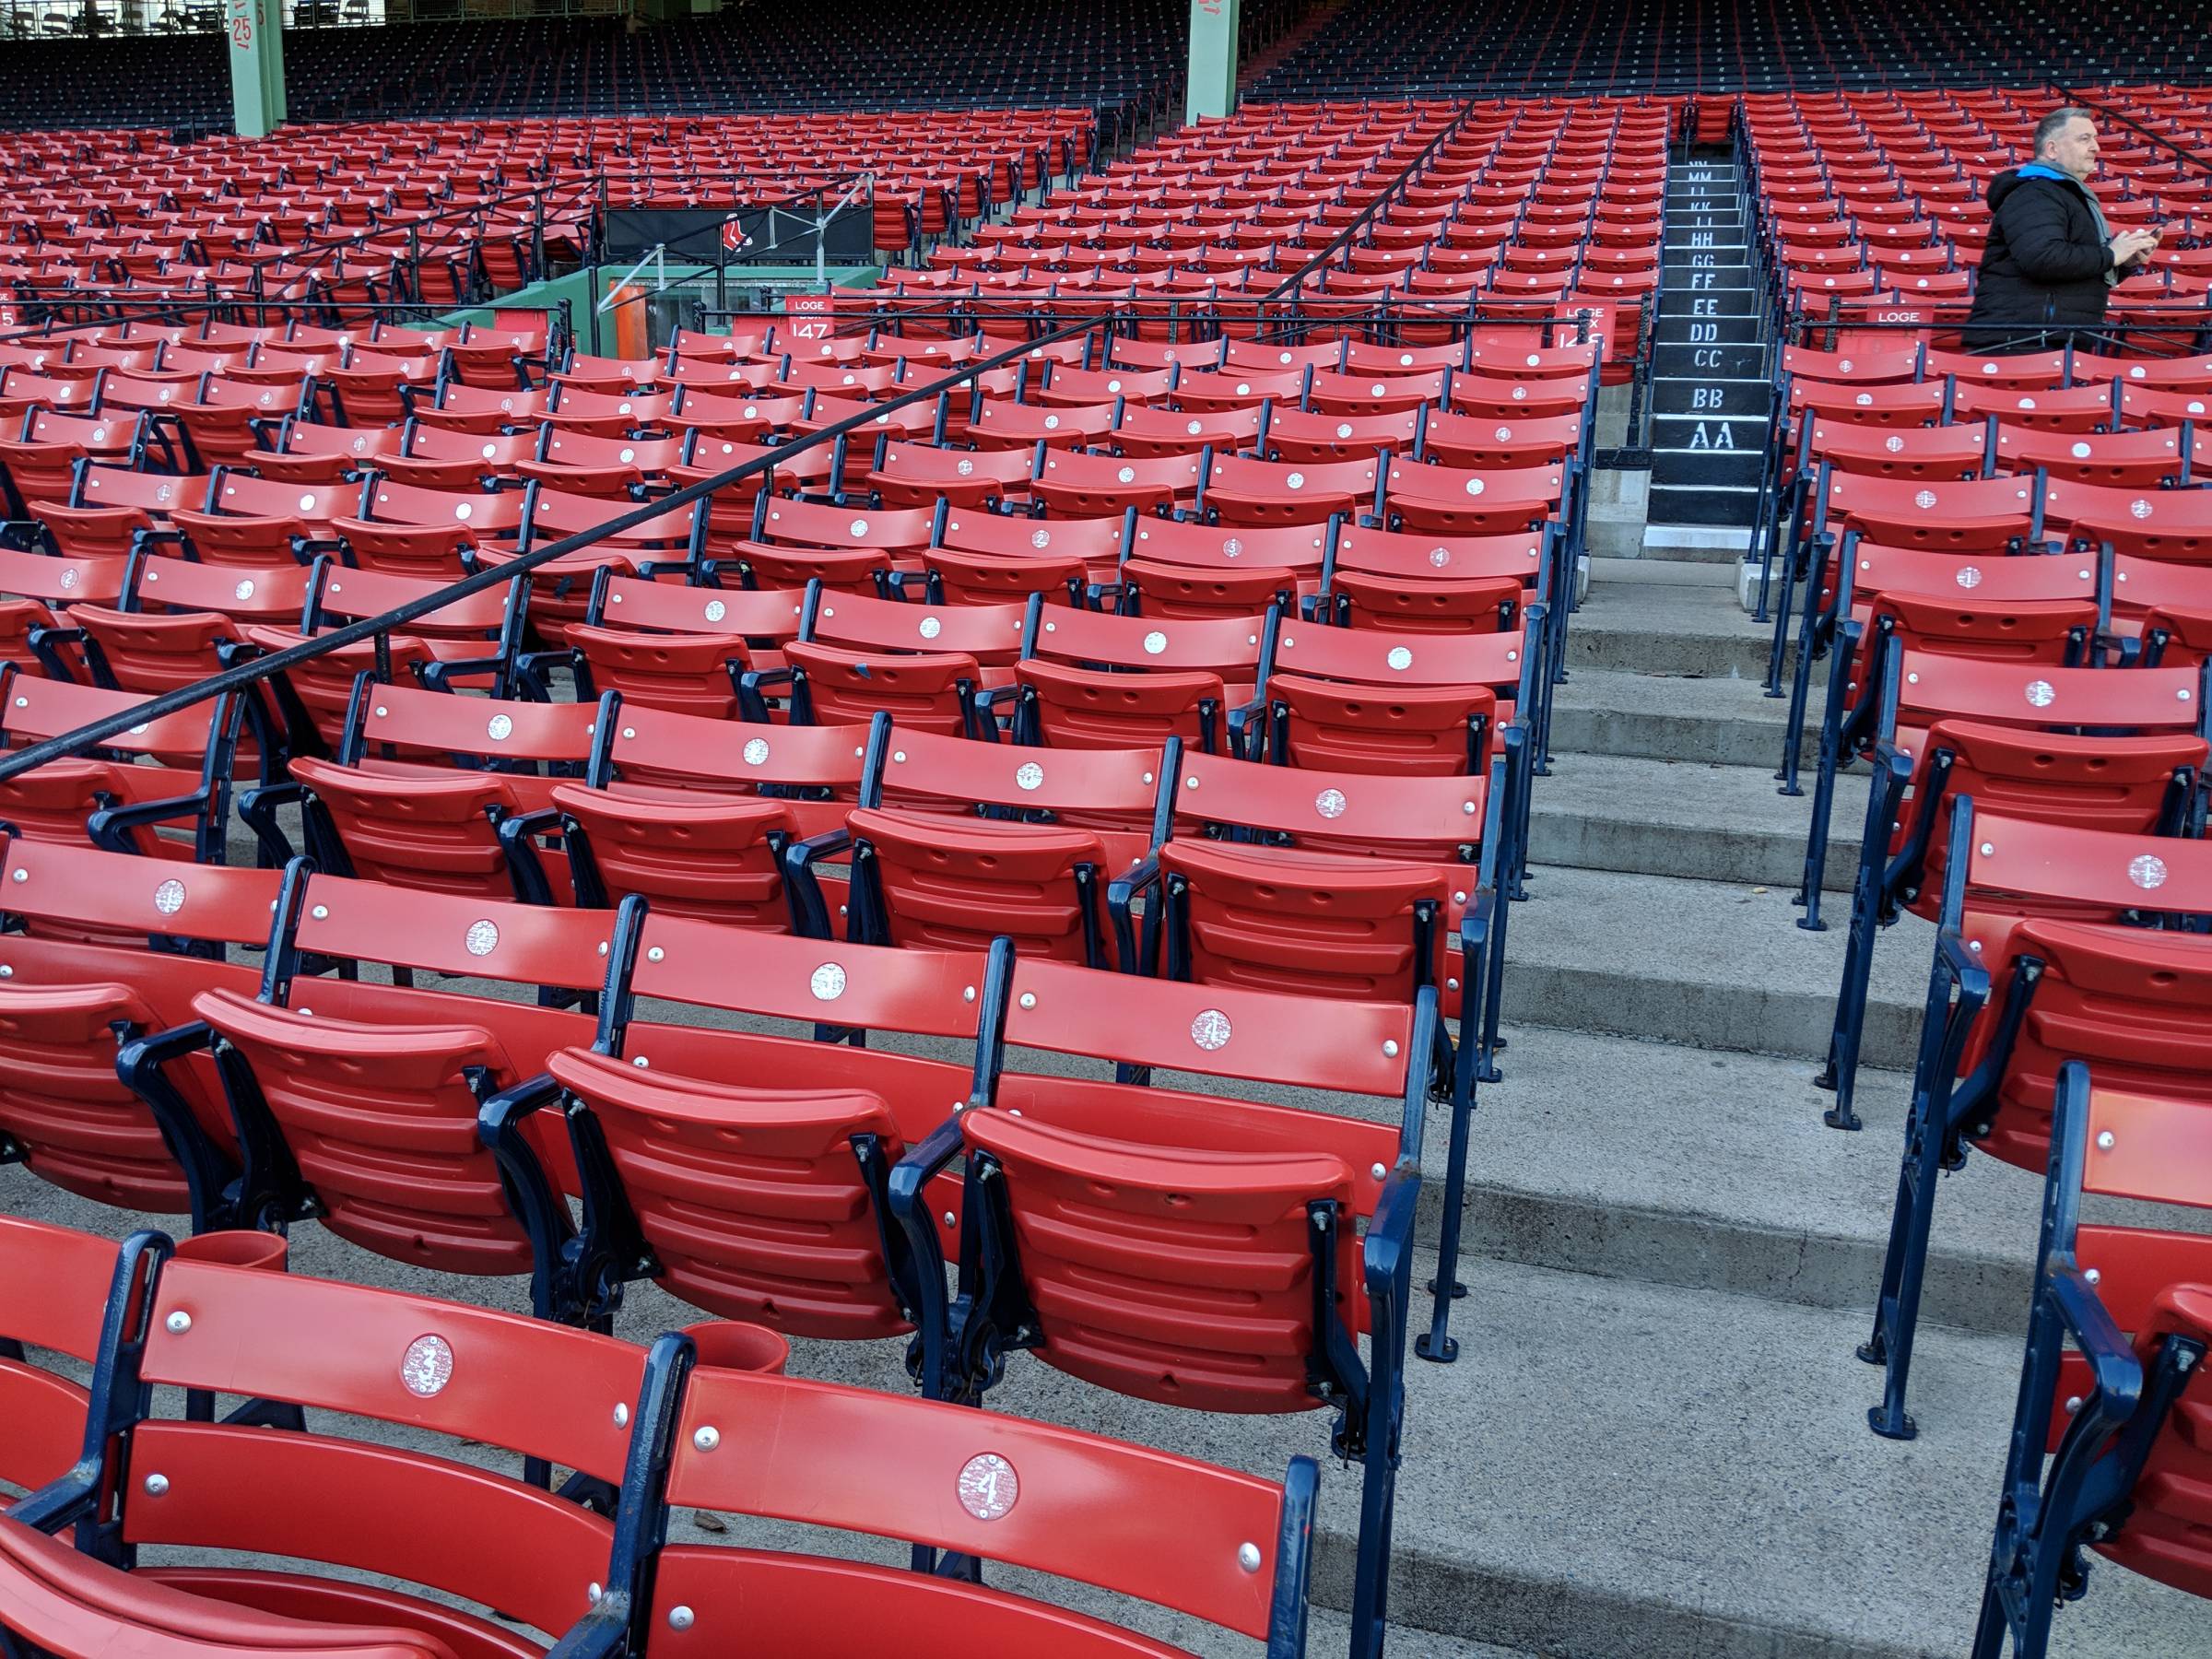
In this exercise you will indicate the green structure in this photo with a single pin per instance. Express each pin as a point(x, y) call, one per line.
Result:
point(1212, 79)
point(256, 32)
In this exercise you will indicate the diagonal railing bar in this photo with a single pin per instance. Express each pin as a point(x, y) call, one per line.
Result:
point(1290, 284)
point(15, 764)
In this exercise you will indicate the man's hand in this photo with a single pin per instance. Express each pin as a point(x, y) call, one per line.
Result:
point(2131, 245)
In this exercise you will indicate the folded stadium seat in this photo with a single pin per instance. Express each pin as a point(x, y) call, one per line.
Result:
point(2159, 373)
point(1277, 891)
point(1974, 516)
point(1187, 569)
point(161, 788)
point(304, 452)
point(22, 391)
point(1100, 544)
point(1079, 483)
point(83, 987)
point(1001, 423)
point(1415, 584)
point(705, 455)
point(1092, 680)
point(585, 371)
point(854, 381)
point(846, 549)
point(364, 389)
point(378, 1361)
point(2025, 372)
point(260, 522)
point(2142, 460)
point(1471, 501)
point(1237, 490)
point(1461, 440)
point(423, 786)
point(930, 666)
point(220, 420)
point(696, 813)
point(2008, 735)
point(1331, 392)
point(1358, 356)
point(2167, 524)
point(2033, 995)
point(605, 414)
point(612, 468)
point(873, 1464)
point(1262, 1306)
point(409, 530)
point(1069, 386)
point(1363, 700)
point(916, 475)
point(712, 375)
point(49, 448)
point(60, 1282)
point(471, 642)
point(916, 422)
point(385, 1154)
point(498, 356)
point(433, 457)
point(42, 587)
point(177, 622)
point(1002, 839)
point(2078, 409)
point(1229, 390)
point(1144, 432)
point(2114, 1407)
point(764, 1197)
point(1293, 434)
point(1909, 404)
point(2142, 406)
point(669, 646)
point(486, 410)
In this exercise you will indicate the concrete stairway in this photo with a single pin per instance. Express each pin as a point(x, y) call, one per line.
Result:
point(1654, 1442)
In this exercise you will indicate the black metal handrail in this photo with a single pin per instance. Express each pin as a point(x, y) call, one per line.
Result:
point(16, 763)
point(1365, 216)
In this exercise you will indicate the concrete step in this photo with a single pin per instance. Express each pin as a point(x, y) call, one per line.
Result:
point(1717, 722)
point(1676, 1165)
point(1686, 632)
point(1682, 818)
point(1699, 543)
point(1621, 1471)
point(1657, 571)
point(1705, 964)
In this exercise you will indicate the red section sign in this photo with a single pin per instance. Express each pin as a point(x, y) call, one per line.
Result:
point(813, 316)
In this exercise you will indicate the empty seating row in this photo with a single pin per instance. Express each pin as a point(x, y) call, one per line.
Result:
point(466, 1558)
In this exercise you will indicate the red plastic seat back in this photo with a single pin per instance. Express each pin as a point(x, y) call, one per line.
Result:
point(58, 1280)
point(2023, 630)
point(1314, 924)
point(2128, 1001)
point(927, 689)
point(1123, 1307)
point(1142, 1524)
point(753, 1199)
point(691, 853)
point(1967, 515)
point(75, 1607)
point(953, 884)
point(446, 1368)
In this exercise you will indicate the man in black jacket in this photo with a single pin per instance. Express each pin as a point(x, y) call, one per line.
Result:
point(2051, 259)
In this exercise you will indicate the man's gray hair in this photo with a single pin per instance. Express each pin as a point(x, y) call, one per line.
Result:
point(2050, 125)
